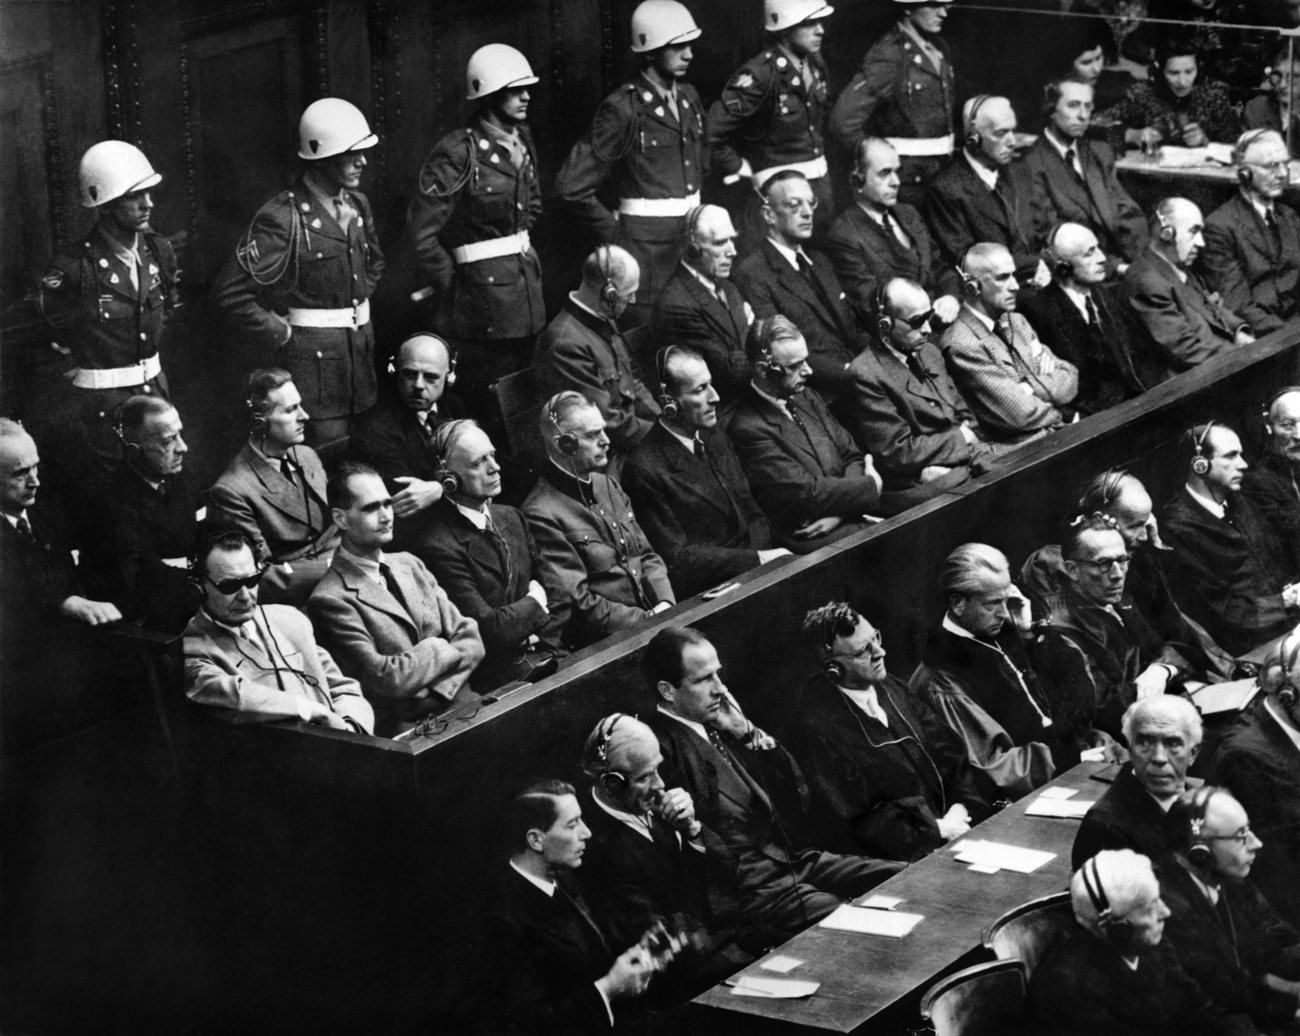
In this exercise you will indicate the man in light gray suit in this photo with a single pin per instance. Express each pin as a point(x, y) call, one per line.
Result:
point(384, 617)
point(1016, 386)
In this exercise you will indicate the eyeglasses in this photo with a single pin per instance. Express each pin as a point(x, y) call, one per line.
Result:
point(1241, 837)
point(1280, 166)
point(230, 587)
point(798, 205)
point(1104, 566)
point(865, 652)
point(1288, 426)
point(919, 321)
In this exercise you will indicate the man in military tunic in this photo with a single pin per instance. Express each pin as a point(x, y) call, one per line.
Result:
point(904, 94)
point(478, 197)
point(300, 282)
point(772, 114)
point(647, 145)
point(106, 300)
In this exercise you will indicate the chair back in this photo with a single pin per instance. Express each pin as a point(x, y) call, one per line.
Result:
point(519, 401)
point(1025, 932)
point(986, 1000)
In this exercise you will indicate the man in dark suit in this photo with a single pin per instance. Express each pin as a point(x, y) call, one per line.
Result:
point(892, 777)
point(739, 779)
point(1185, 322)
point(701, 308)
point(1163, 734)
point(547, 960)
point(384, 618)
point(1075, 178)
point(1229, 571)
point(274, 491)
point(687, 486)
point(878, 238)
point(984, 196)
point(786, 275)
point(1074, 316)
point(804, 468)
point(1252, 243)
point(485, 559)
point(1271, 482)
point(395, 434)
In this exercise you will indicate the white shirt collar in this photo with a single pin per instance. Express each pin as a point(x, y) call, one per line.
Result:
point(988, 322)
point(877, 217)
point(782, 405)
point(989, 176)
point(704, 279)
point(950, 624)
point(895, 353)
point(370, 568)
point(546, 886)
point(573, 297)
point(1283, 722)
point(689, 443)
point(638, 824)
point(1061, 149)
point(1260, 206)
point(13, 519)
point(869, 702)
point(1078, 298)
point(697, 727)
point(1180, 274)
point(477, 516)
point(791, 254)
point(1209, 503)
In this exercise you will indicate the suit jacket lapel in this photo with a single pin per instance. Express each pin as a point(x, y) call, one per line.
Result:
point(712, 308)
point(679, 461)
point(376, 597)
point(1094, 179)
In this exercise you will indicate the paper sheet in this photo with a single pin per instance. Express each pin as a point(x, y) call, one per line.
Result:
point(1224, 697)
point(891, 923)
point(1067, 809)
point(1058, 793)
point(1003, 857)
point(778, 988)
point(780, 964)
point(875, 902)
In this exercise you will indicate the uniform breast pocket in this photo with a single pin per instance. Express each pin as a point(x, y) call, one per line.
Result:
point(596, 556)
point(114, 307)
point(321, 270)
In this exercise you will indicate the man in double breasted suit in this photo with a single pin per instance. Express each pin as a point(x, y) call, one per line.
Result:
point(384, 617)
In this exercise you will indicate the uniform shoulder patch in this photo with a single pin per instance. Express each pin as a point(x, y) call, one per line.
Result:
point(53, 279)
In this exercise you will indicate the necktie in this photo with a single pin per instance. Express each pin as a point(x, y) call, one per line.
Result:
point(576, 904)
point(722, 297)
point(344, 212)
point(1093, 319)
point(25, 528)
point(1072, 160)
point(1274, 230)
point(1003, 330)
point(805, 267)
point(390, 581)
point(661, 834)
point(671, 102)
point(287, 469)
point(896, 228)
point(794, 416)
point(917, 368)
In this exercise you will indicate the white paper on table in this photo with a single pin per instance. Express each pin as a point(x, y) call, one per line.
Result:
point(875, 902)
point(983, 868)
point(891, 923)
point(779, 988)
point(1058, 793)
point(1063, 808)
point(1004, 857)
point(1232, 696)
point(780, 963)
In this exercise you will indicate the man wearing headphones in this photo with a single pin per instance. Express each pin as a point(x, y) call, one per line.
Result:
point(1186, 323)
point(1252, 243)
point(394, 436)
point(984, 195)
point(892, 777)
point(274, 490)
point(1270, 483)
point(384, 617)
point(1229, 571)
point(1112, 972)
point(688, 487)
point(1075, 181)
point(1259, 762)
point(1018, 388)
point(701, 308)
point(1074, 313)
point(1227, 936)
point(486, 560)
point(596, 562)
point(583, 350)
point(260, 662)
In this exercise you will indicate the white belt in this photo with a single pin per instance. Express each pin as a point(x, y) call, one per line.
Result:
point(477, 251)
point(117, 377)
point(813, 169)
point(922, 147)
point(658, 206)
point(353, 317)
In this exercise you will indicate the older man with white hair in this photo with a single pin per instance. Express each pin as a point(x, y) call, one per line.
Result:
point(1271, 482)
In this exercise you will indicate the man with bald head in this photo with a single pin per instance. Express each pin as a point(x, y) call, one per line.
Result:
point(1186, 323)
point(984, 196)
point(701, 308)
point(1252, 244)
point(394, 435)
point(583, 350)
point(879, 237)
point(1016, 385)
point(1074, 314)
point(1270, 483)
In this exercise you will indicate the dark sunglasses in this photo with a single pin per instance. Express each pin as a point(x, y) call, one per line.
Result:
point(230, 587)
point(919, 321)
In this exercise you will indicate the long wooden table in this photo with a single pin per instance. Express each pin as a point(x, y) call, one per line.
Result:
point(863, 975)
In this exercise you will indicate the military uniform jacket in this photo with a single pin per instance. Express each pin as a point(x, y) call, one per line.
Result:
point(469, 191)
point(106, 321)
point(295, 255)
point(769, 115)
point(635, 149)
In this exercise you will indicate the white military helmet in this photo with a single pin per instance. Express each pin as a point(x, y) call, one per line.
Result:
point(113, 168)
point(332, 126)
point(661, 23)
point(496, 67)
point(779, 15)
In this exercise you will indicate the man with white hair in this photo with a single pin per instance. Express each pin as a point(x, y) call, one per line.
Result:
point(1163, 734)
point(1112, 973)
point(1016, 385)
point(1252, 244)
point(1270, 483)
point(1186, 322)
point(983, 196)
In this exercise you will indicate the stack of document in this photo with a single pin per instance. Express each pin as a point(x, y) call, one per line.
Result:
point(772, 988)
point(892, 923)
point(991, 857)
point(1058, 802)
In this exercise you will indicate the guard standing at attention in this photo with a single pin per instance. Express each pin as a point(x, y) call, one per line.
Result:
point(904, 93)
point(772, 114)
point(106, 299)
point(301, 278)
point(478, 197)
point(647, 144)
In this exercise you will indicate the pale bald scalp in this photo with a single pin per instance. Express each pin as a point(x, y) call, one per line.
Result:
point(609, 261)
point(981, 258)
point(1126, 878)
point(1289, 394)
point(422, 344)
point(714, 221)
point(899, 291)
point(1072, 240)
point(985, 112)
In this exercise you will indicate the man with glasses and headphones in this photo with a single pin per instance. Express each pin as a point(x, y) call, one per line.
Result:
point(261, 662)
point(596, 561)
point(1228, 569)
point(1112, 973)
point(1227, 936)
point(1271, 483)
point(583, 350)
point(1252, 242)
point(1186, 322)
point(384, 617)
point(893, 778)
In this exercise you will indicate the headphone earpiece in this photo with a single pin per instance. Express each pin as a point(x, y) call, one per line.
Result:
point(1200, 462)
point(1060, 266)
point(608, 290)
point(565, 442)
point(667, 402)
point(973, 138)
point(693, 248)
point(833, 670)
point(883, 321)
point(856, 180)
point(1166, 233)
point(969, 282)
point(1118, 931)
point(442, 442)
point(257, 419)
point(1198, 850)
point(1245, 176)
point(1288, 696)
